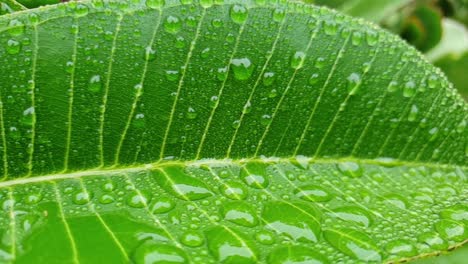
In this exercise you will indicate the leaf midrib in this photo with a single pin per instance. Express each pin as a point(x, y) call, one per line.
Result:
point(220, 162)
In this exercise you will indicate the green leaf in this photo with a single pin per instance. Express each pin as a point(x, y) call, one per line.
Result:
point(234, 132)
point(10, 6)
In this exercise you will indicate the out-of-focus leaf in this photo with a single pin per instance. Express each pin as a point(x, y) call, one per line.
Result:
point(10, 6)
point(454, 41)
point(423, 28)
point(36, 3)
point(368, 9)
point(456, 68)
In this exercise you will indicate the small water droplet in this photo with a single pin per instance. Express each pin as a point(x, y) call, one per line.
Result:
point(314, 78)
point(234, 191)
point(13, 47)
point(172, 75)
point(268, 78)
point(356, 39)
point(265, 237)
point(192, 239)
point(152, 252)
point(162, 205)
point(401, 248)
point(106, 199)
point(16, 27)
point(81, 197)
point(372, 38)
point(81, 10)
point(191, 113)
point(331, 27)
point(95, 84)
point(353, 214)
point(266, 120)
point(138, 199)
point(319, 62)
point(155, 3)
point(413, 113)
point(279, 14)
point(149, 54)
point(354, 81)
point(33, 198)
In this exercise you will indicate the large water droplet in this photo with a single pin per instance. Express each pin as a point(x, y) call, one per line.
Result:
point(238, 14)
point(16, 27)
point(138, 199)
point(254, 175)
point(300, 222)
point(242, 68)
point(353, 214)
point(81, 197)
point(401, 248)
point(410, 89)
point(158, 253)
point(240, 213)
point(451, 230)
point(192, 239)
point(228, 246)
point(162, 205)
point(353, 243)
point(172, 24)
point(234, 190)
point(176, 182)
point(294, 254)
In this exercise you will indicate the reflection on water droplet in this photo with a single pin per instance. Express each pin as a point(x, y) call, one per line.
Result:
point(410, 89)
point(149, 54)
point(16, 27)
point(401, 248)
point(106, 199)
point(191, 113)
point(313, 193)
point(138, 199)
point(13, 47)
point(233, 190)
point(354, 81)
point(265, 237)
point(81, 197)
point(162, 205)
point(268, 78)
point(33, 198)
point(313, 78)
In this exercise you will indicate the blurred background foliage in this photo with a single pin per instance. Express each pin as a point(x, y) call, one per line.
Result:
point(437, 28)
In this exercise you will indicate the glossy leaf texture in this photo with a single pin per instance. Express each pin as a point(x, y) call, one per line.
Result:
point(223, 132)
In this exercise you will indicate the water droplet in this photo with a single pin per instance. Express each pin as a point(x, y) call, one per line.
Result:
point(28, 116)
point(319, 62)
point(172, 24)
point(240, 213)
point(172, 75)
point(229, 246)
point(81, 10)
point(152, 252)
point(217, 22)
point(392, 87)
point(461, 126)
point(433, 240)
point(238, 14)
point(242, 68)
point(176, 182)
point(191, 113)
point(268, 78)
point(313, 78)
point(297, 221)
point(222, 73)
point(95, 84)
point(13, 47)
point(313, 193)
point(279, 14)
point(214, 101)
point(106, 199)
point(33, 198)
point(149, 54)
point(81, 197)
point(236, 124)
point(432, 81)
point(413, 113)
point(33, 18)
point(451, 230)
point(353, 214)
point(331, 27)
point(16, 27)
point(356, 39)
point(254, 175)
point(457, 212)
point(401, 248)
point(266, 120)
point(396, 200)
point(162, 205)
point(434, 133)
point(265, 237)
point(138, 199)
point(410, 89)
point(155, 3)
point(192, 239)
point(351, 169)
point(247, 108)
point(294, 254)
point(234, 190)
point(372, 38)
point(354, 81)
point(297, 60)
point(353, 243)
